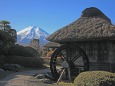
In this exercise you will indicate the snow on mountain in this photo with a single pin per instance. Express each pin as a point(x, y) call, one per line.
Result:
point(26, 35)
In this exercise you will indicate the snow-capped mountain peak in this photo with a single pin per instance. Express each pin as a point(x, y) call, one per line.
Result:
point(32, 32)
point(28, 29)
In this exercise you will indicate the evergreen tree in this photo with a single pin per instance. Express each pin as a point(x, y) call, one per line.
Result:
point(13, 33)
point(8, 36)
point(4, 24)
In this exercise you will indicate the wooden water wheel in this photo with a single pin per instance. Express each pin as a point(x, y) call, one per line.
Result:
point(74, 56)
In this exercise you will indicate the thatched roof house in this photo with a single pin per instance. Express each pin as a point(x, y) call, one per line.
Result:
point(92, 25)
point(94, 33)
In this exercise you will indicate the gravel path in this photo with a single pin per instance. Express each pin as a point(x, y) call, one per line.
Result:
point(25, 78)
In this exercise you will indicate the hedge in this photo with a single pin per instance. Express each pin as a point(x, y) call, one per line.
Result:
point(95, 78)
point(18, 50)
point(26, 61)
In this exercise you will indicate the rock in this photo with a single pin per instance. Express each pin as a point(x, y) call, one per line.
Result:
point(40, 76)
point(1, 70)
point(48, 81)
point(12, 67)
point(49, 76)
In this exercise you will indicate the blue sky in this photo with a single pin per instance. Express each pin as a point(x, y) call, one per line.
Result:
point(50, 15)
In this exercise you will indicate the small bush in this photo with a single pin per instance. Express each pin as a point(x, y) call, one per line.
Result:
point(26, 61)
point(49, 54)
point(46, 60)
point(18, 50)
point(44, 53)
point(2, 60)
point(95, 78)
point(48, 57)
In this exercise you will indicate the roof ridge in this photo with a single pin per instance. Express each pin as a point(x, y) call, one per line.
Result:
point(94, 12)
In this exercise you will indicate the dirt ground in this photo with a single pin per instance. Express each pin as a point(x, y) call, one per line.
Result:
point(26, 78)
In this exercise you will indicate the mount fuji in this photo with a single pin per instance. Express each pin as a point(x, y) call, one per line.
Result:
point(26, 35)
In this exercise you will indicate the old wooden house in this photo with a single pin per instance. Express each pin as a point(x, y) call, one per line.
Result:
point(94, 33)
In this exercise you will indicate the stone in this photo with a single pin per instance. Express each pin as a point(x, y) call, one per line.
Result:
point(12, 67)
point(48, 81)
point(40, 76)
point(1, 70)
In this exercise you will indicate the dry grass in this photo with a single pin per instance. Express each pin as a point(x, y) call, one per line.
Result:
point(65, 84)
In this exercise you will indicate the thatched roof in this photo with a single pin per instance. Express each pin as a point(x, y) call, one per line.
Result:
point(52, 45)
point(92, 25)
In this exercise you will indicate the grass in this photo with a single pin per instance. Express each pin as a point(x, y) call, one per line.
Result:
point(65, 84)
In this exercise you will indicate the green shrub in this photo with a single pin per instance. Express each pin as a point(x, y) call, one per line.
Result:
point(3, 50)
point(6, 38)
point(18, 50)
point(95, 78)
point(2, 60)
point(26, 61)
point(25, 56)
